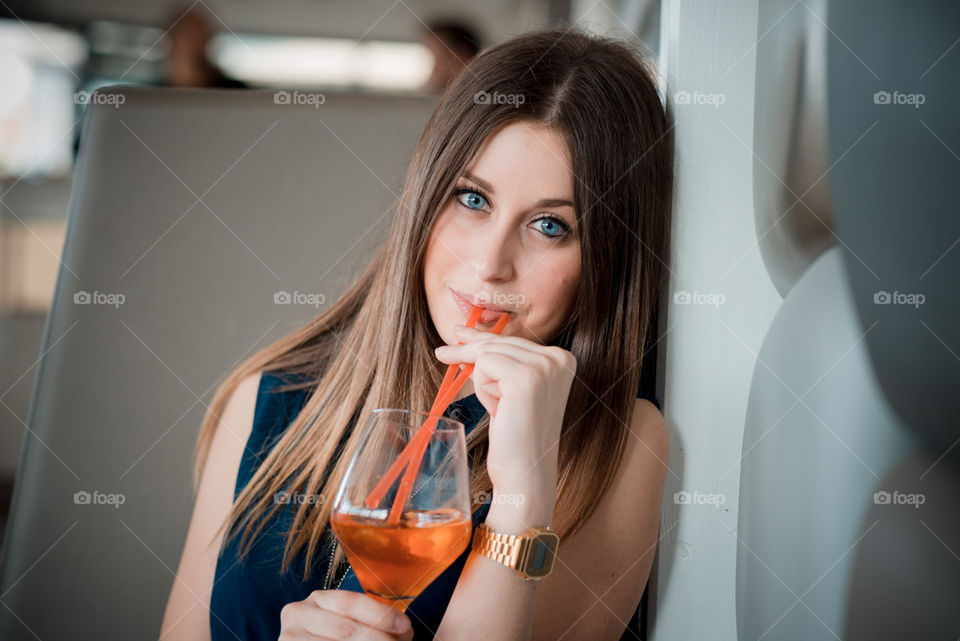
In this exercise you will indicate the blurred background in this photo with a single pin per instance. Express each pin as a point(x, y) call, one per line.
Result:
point(807, 352)
point(53, 54)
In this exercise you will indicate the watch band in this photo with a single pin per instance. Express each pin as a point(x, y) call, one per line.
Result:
point(531, 554)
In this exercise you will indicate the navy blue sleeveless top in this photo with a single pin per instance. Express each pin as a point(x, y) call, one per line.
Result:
point(248, 595)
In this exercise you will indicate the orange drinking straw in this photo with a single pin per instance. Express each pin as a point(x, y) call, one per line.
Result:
point(444, 398)
point(377, 494)
point(475, 313)
point(373, 499)
point(412, 455)
point(422, 437)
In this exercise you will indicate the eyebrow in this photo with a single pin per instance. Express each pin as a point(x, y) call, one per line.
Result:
point(546, 202)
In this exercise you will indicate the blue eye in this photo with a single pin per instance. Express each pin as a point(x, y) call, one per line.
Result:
point(555, 227)
point(473, 200)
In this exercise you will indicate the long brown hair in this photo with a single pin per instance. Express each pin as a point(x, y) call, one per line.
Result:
point(601, 95)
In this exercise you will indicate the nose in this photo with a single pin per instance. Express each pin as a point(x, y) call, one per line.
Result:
point(492, 254)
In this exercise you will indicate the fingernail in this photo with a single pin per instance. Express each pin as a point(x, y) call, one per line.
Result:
point(402, 624)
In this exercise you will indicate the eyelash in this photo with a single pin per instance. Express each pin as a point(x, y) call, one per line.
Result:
point(476, 190)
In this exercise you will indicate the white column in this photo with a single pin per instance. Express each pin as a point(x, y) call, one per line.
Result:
point(720, 304)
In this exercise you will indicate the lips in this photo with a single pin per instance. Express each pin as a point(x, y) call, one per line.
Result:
point(490, 314)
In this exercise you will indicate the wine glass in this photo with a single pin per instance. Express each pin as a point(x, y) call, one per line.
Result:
point(395, 561)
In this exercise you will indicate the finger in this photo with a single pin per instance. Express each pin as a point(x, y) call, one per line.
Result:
point(469, 352)
point(530, 357)
point(497, 368)
point(473, 336)
point(362, 608)
point(469, 334)
point(331, 626)
point(495, 373)
point(552, 352)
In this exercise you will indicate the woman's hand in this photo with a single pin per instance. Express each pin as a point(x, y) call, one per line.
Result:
point(342, 614)
point(524, 386)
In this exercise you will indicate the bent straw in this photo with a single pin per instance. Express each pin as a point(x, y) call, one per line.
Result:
point(373, 499)
point(417, 445)
point(420, 440)
point(423, 435)
point(475, 313)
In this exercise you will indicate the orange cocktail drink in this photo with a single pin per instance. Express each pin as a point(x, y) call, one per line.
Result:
point(394, 564)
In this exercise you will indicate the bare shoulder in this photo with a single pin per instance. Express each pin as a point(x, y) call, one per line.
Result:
point(610, 557)
point(187, 610)
point(244, 397)
point(639, 480)
point(649, 428)
point(233, 430)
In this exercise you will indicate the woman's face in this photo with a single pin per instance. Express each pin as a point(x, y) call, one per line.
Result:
point(507, 239)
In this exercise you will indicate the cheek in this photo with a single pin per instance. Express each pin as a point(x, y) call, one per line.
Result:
point(440, 254)
point(553, 289)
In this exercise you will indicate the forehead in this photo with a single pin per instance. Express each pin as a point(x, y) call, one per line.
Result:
point(525, 158)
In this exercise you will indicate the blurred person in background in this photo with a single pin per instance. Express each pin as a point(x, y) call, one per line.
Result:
point(453, 45)
point(188, 30)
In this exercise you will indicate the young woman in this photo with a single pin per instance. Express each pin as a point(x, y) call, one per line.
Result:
point(541, 186)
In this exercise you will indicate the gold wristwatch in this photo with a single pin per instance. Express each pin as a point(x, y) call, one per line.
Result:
point(531, 554)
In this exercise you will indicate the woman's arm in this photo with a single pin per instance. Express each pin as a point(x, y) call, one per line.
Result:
point(600, 572)
point(188, 609)
point(490, 600)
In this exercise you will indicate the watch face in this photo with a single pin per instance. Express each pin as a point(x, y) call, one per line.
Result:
point(538, 561)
